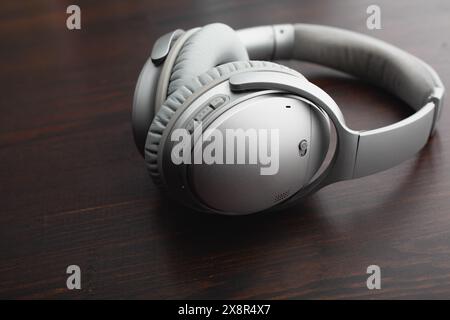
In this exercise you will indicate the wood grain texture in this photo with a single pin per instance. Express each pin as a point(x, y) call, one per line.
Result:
point(74, 190)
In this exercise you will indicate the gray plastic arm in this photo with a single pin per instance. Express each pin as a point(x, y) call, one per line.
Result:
point(383, 148)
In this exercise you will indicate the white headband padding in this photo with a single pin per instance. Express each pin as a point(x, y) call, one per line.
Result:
point(370, 59)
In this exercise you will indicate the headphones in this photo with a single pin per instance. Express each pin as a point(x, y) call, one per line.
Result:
point(222, 78)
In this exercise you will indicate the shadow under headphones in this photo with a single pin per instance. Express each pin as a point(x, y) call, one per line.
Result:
point(205, 74)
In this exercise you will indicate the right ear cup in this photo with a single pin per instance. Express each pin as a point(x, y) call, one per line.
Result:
point(238, 189)
point(177, 100)
point(213, 45)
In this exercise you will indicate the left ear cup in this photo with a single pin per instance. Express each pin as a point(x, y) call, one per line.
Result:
point(193, 53)
point(145, 100)
point(178, 98)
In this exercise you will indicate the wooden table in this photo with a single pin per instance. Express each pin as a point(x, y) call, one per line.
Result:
point(74, 189)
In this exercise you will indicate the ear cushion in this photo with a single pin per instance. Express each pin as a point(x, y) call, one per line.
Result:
point(212, 45)
point(176, 100)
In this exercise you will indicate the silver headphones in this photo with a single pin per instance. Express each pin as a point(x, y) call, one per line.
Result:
point(206, 75)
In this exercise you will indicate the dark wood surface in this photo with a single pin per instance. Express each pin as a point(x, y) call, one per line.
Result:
point(74, 190)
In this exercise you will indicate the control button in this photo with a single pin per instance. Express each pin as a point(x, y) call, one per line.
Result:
point(208, 107)
point(218, 101)
point(203, 113)
point(190, 127)
point(198, 118)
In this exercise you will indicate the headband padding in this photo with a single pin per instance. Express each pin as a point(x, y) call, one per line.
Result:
point(212, 45)
point(177, 99)
point(362, 56)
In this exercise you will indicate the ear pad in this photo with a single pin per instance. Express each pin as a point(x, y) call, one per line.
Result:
point(212, 45)
point(176, 100)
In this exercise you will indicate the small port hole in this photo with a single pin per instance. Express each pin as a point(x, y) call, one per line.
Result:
point(288, 107)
